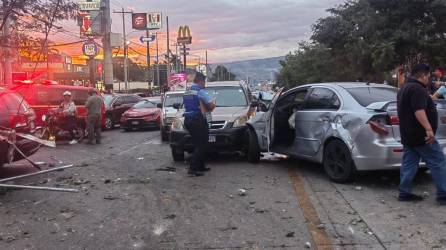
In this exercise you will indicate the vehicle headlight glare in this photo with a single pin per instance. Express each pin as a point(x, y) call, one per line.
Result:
point(240, 122)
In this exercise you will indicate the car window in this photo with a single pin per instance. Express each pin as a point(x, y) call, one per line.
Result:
point(368, 95)
point(144, 104)
point(133, 98)
point(171, 99)
point(4, 115)
point(228, 96)
point(322, 98)
point(14, 103)
point(119, 101)
point(108, 100)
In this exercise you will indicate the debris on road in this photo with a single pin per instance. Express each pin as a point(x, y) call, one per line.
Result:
point(290, 234)
point(167, 169)
point(241, 192)
point(358, 188)
point(111, 198)
point(271, 156)
point(67, 215)
point(307, 245)
point(170, 216)
point(140, 158)
point(107, 181)
point(229, 228)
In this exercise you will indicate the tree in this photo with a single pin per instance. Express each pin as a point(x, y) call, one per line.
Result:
point(366, 39)
point(221, 73)
point(137, 72)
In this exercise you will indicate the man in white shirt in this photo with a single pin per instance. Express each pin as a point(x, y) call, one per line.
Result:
point(69, 115)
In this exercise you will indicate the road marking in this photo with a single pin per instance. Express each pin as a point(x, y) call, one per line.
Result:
point(320, 237)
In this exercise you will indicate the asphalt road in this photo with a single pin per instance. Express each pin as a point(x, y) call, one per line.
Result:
point(133, 196)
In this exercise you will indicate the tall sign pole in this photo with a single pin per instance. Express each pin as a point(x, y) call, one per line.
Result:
point(6, 49)
point(168, 50)
point(108, 57)
point(148, 57)
point(126, 81)
point(184, 38)
point(157, 63)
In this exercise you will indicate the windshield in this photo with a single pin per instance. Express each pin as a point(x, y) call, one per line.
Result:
point(144, 104)
point(368, 95)
point(228, 96)
point(108, 99)
point(171, 99)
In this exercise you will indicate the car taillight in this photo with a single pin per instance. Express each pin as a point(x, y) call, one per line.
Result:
point(18, 121)
point(377, 124)
point(394, 120)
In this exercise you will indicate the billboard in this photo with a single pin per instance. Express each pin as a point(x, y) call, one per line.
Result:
point(139, 21)
point(90, 24)
point(154, 20)
point(184, 36)
point(177, 81)
point(88, 6)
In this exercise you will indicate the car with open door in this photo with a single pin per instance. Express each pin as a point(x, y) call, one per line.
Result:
point(347, 127)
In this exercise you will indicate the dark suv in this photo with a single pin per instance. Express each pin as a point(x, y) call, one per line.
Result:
point(16, 114)
point(116, 105)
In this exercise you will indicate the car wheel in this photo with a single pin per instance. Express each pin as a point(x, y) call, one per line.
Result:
point(164, 135)
point(128, 129)
point(338, 163)
point(253, 151)
point(108, 123)
point(177, 154)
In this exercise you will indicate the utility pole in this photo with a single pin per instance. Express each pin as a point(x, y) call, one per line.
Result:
point(7, 51)
point(184, 56)
point(206, 63)
point(168, 51)
point(148, 57)
point(157, 63)
point(106, 43)
point(126, 81)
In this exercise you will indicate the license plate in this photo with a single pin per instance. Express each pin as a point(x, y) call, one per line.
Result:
point(212, 138)
point(135, 123)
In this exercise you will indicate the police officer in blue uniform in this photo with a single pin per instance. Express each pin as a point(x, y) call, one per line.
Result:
point(196, 123)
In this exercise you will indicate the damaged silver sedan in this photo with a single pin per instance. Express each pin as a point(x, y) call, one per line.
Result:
point(347, 127)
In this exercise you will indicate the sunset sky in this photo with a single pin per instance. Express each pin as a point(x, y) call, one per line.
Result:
point(231, 30)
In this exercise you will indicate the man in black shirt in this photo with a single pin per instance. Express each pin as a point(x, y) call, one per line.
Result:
point(418, 124)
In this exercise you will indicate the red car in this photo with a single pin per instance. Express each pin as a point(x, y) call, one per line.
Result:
point(46, 96)
point(16, 114)
point(143, 115)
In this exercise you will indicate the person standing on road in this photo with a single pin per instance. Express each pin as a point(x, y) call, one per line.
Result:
point(196, 123)
point(94, 106)
point(418, 124)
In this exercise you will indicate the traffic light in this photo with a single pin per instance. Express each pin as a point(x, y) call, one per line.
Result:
point(99, 68)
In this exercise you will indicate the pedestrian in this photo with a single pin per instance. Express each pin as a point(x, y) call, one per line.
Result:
point(418, 124)
point(437, 80)
point(94, 108)
point(196, 123)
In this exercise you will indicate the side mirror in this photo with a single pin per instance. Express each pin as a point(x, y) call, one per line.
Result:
point(159, 105)
point(176, 106)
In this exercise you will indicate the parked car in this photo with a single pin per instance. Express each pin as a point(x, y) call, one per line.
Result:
point(155, 99)
point(143, 115)
point(116, 105)
point(16, 114)
point(168, 112)
point(347, 127)
point(48, 95)
point(228, 126)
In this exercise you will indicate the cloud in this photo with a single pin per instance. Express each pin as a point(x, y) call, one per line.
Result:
point(234, 29)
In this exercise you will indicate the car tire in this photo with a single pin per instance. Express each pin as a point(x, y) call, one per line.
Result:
point(109, 123)
point(253, 150)
point(164, 135)
point(128, 129)
point(177, 154)
point(338, 163)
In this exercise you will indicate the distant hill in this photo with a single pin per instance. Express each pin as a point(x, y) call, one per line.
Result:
point(257, 70)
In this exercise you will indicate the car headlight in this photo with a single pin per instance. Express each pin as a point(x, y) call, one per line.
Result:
point(240, 122)
point(177, 125)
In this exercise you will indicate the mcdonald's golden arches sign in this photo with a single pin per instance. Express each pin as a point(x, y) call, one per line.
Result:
point(184, 36)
